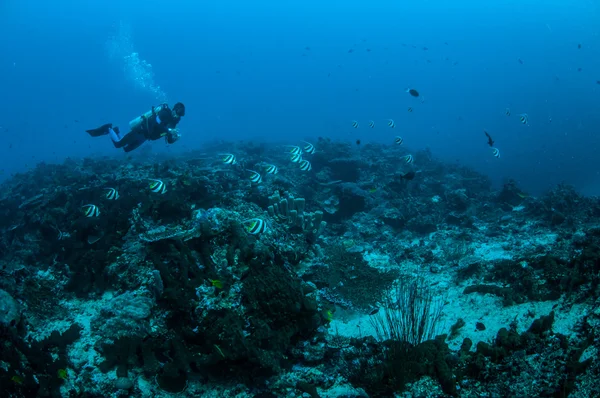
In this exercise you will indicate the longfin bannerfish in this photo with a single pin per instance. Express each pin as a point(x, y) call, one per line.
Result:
point(391, 123)
point(255, 177)
point(496, 152)
point(295, 150)
point(271, 169)
point(255, 226)
point(157, 186)
point(371, 123)
point(309, 148)
point(305, 165)
point(355, 124)
point(408, 159)
point(507, 112)
point(296, 158)
point(398, 140)
point(91, 210)
point(112, 194)
point(524, 118)
point(228, 158)
point(410, 109)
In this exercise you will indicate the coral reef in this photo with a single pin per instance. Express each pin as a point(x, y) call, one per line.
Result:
point(346, 280)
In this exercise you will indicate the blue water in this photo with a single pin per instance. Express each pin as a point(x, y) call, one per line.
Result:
point(282, 70)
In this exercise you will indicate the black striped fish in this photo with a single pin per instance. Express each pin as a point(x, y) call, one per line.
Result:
point(112, 194)
point(228, 158)
point(496, 152)
point(255, 177)
point(507, 111)
point(296, 158)
point(91, 210)
point(255, 226)
point(398, 140)
point(355, 124)
point(391, 123)
point(305, 165)
point(524, 118)
point(157, 186)
point(408, 159)
point(371, 123)
point(294, 150)
point(309, 148)
point(271, 169)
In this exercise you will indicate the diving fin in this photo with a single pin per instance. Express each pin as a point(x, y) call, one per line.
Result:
point(102, 130)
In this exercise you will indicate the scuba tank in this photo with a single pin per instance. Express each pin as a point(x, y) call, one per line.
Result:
point(135, 123)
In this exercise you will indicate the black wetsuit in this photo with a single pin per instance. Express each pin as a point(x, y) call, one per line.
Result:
point(152, 129)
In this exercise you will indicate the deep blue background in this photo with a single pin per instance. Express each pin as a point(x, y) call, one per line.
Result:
point(243, 71)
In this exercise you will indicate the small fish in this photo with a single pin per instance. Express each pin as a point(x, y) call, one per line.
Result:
point(309, 148)
point(255, 177)
point(271, 169)
point(295, 150)
point(496, 152)
point(112, 194)
point(91, 210)
point(328, 315)
point(507, 111)
point(597, 81)
point(391, 123)
point(216, 283)
point(355, 124)
point(371, 123)
point(408, 176)
point(398, 140)
point(305, 165)
point(489, 137)
point(62, 374)
point(296, 158)
point(17, 379)
point(520, 61)
point(412, 92)
point(579, 46)
point(255, 226)
point(408, 159)
point(410, 109)
point(357, 142)
point(228, 158)
point(524, 118)
point(157, 186)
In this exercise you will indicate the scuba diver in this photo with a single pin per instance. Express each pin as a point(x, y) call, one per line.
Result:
point(160, 121)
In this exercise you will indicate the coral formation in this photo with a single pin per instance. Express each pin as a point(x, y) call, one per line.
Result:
point(220, 286)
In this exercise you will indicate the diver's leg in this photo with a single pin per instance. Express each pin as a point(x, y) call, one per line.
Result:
point(115, 134)
point(134, 143)
point(102, 130)
point(121, 141)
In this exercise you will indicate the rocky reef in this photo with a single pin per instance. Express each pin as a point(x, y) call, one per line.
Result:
point(152, 276)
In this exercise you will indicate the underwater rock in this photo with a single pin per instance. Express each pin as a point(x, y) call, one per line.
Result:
point(124, 383)
point(9, 310)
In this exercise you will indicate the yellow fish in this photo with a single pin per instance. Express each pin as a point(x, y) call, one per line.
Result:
point(216, 283)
